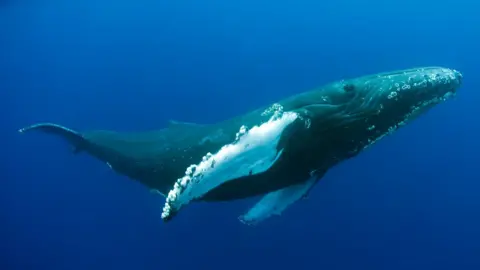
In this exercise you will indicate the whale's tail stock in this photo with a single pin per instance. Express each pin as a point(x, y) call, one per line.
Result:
point(73, 137)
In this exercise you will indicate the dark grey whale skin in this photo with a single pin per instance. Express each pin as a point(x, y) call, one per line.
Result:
point(337, 122)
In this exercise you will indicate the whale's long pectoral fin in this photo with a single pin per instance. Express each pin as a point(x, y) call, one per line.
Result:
point(254, 151)
point(274, 203)
point(71, 136)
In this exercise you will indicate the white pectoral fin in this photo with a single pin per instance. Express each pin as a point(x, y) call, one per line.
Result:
point(274, 203)
point(254, 151)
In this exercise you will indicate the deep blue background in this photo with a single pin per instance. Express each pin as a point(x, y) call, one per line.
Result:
point(410, 202)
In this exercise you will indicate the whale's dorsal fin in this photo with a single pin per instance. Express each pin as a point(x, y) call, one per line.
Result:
point(179, 124)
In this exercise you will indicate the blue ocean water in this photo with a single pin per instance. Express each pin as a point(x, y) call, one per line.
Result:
point(409, 202)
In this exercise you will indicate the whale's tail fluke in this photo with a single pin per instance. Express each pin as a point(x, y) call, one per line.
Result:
point(73, 137)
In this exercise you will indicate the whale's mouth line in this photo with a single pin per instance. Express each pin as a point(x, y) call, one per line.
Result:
point(416, 111)
point(420, 107)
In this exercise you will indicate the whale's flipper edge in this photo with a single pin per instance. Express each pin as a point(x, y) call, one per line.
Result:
point(179, 124)
point(274, 203)
point(73, 137)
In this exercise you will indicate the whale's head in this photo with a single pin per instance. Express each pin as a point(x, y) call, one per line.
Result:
point(352, 114)
point(389, 100)
point(380, 100)
point(401, 94)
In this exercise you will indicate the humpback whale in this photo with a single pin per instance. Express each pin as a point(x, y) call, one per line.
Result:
point(278, 151)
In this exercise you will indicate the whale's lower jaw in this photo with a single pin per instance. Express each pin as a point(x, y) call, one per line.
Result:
point(416, 111)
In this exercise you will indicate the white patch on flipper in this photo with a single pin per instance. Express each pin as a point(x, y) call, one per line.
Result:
point(274, 203)
point(254, 151)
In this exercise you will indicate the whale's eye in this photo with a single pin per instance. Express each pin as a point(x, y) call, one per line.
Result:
point(348, 87)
